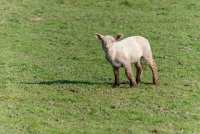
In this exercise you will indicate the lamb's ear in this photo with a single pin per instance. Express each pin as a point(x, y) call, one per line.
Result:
point(99, 36)
point(119, 37)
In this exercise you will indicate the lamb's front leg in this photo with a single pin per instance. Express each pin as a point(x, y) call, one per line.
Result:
point(138, 72)
point(128, 72)
point(116, 74)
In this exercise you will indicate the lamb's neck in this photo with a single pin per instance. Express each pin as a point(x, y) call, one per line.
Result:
point(110, 53)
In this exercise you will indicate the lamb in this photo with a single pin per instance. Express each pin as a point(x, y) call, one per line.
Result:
point(125, 52)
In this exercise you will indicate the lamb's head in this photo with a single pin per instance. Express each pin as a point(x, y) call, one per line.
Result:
point(108, 40)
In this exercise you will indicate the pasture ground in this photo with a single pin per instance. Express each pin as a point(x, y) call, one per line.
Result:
point(54, 78)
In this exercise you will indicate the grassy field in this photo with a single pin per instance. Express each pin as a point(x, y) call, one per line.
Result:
point(54, 78)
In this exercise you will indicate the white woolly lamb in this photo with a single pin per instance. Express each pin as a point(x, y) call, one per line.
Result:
point(124, 52)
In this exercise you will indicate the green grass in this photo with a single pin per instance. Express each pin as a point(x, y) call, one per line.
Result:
point(54, 78)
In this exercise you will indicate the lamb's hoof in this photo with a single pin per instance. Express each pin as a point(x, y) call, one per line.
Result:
point(138, 82)
point(115, 85)
point(157, 83)
point(134, 84)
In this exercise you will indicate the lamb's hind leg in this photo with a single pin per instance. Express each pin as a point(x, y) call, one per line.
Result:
point(128, 72)
point(138, 71)
point(153, 66)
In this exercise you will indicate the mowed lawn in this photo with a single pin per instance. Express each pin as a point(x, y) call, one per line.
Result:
point(54, 78)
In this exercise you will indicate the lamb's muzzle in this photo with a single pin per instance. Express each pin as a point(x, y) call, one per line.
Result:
point(124, 52)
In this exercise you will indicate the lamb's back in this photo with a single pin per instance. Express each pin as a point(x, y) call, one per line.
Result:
point(133, 48)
